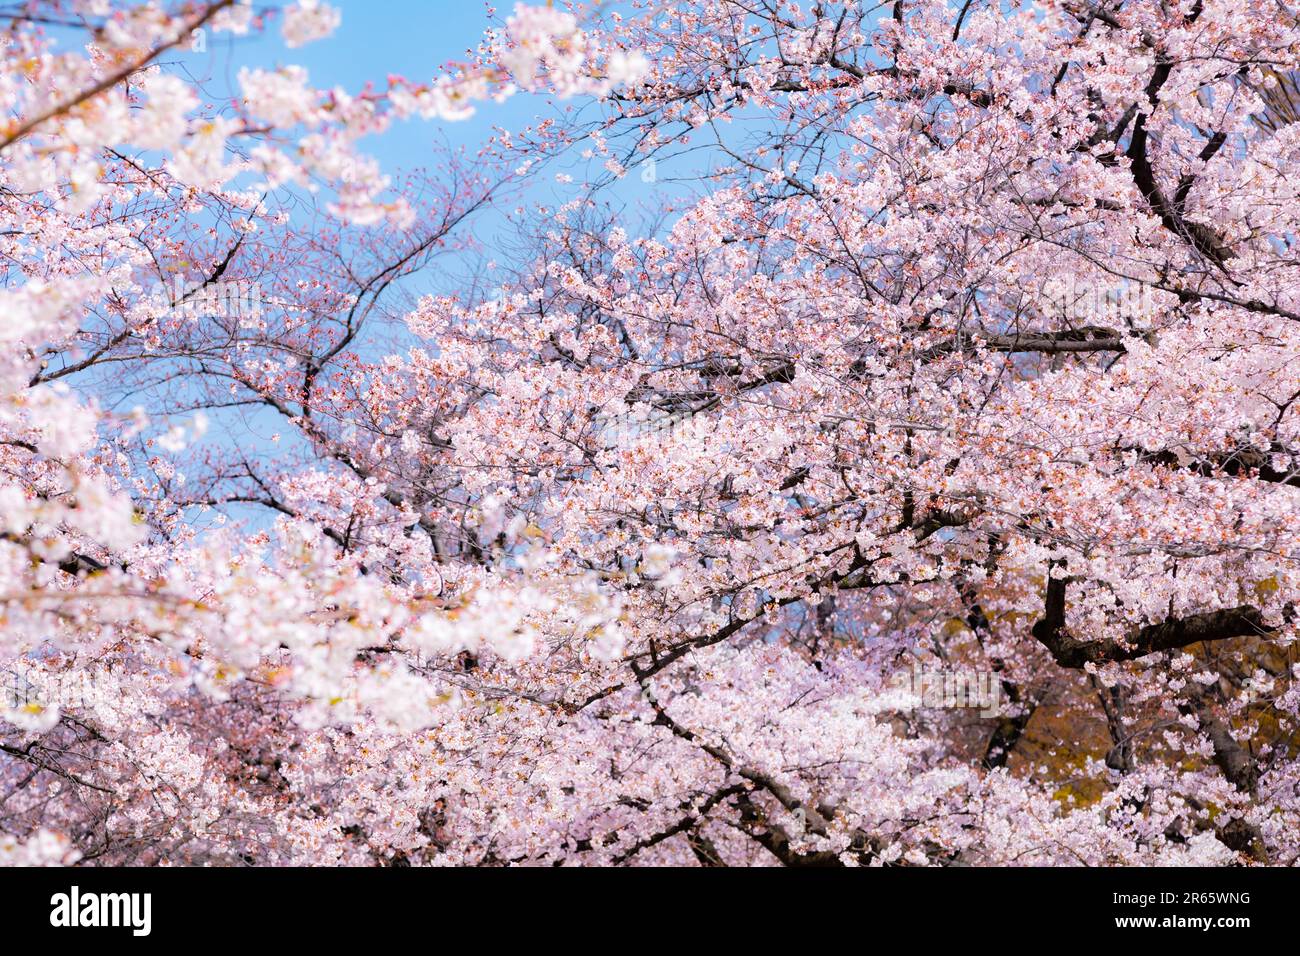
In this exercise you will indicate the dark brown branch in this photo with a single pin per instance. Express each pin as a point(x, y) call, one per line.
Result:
point(113, 79)
point(1171, 634)
point(1247, 462)
point(687, 822)
point(1201, 237)
point(1086, 339)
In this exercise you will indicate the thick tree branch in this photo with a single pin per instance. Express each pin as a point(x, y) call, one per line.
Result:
point(1170, 634)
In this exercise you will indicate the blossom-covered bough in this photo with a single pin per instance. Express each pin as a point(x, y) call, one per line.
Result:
point(974, 353)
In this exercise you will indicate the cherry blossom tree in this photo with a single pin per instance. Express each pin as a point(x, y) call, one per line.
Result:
point(971, 355)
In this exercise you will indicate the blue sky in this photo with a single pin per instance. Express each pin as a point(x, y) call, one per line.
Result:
point(376, 39)
point(414, 38)
point(418, 39)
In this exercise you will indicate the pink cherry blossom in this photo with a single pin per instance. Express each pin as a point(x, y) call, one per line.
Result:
point(916, 486)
